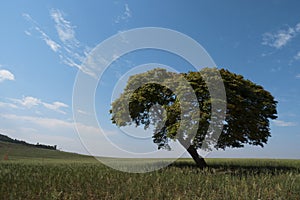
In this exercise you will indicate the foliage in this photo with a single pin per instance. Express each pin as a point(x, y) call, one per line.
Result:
point(248, 108)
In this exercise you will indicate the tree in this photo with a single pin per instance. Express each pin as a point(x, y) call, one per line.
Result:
point(172, 110)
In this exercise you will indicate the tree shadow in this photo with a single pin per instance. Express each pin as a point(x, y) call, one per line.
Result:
point(238, 169)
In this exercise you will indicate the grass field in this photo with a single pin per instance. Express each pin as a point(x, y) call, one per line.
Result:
point(31, 173)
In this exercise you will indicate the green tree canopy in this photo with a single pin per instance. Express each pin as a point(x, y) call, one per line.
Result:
point(180, 108)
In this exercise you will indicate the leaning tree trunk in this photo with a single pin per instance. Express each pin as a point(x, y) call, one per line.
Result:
point(197, 158)
point(200, 162)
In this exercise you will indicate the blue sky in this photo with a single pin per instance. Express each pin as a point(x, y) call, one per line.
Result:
point(44, 44)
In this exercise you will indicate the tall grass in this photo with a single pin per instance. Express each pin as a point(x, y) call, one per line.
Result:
point(89, 179)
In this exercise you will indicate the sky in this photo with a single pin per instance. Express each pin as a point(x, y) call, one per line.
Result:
point(44, 45)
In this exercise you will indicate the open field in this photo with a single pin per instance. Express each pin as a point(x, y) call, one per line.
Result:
point(47, 174)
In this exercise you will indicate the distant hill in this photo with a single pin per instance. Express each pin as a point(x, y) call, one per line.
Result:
point(5, 138)
point(13, 149)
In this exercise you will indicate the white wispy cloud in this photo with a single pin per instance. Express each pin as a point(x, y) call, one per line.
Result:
point(82, 112)
point(70, 51)
point(49, 42)
point(27, 33)
point(72, 63)
point(298, 76)
point(283, 123)
point(126, 15)
point(297, 27)
point(279, 39)
point(7, 105)
point(6, 130)
point(73, 53)
point(27, 17)
point(297, 56)
point(56, 106)
point(64, 28)
point(6, 75)
point(53, 123)
point(29, 102)
point(53, 45)
point(44, 122)
point(53, 131)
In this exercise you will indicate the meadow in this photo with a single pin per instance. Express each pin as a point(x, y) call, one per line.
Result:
point(47, 174)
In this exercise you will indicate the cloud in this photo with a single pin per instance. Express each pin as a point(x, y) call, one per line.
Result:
point(6, 131)
point(127, 14)
point(56, 106)
point(28, 17)
point(283, 123)
point(27, 33)
point(7, 105)
point(297, 56)
point(82, 112)
point(297, 27)
point(72, 63)
point(70, 51)
point(64, 29)
point(298, 76)
point(52, 131)
point(279, 39)
point(53, 123)
point(6, 75)
point(29, 102)
point(73, 53)
point(44, 122)
point(51, 43)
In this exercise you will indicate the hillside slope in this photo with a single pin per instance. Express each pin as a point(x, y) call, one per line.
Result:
point(14, 150)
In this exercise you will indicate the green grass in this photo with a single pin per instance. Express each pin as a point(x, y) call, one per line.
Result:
point(45, 174)
point(19, 152)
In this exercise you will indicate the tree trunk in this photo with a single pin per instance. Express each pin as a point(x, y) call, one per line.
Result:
point(197, 158)
point(200, 162)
